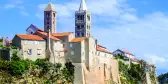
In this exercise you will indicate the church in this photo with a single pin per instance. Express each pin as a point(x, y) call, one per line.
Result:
point(94, 64)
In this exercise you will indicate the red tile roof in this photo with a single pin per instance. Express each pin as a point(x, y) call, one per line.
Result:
point(79, 39)
point(103, 49)
point(44, 35)
point(62, 34)
point(29, 37)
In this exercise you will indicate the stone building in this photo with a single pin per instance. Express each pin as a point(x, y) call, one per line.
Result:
point(94, 64)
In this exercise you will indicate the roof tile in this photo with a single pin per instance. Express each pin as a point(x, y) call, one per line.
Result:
point(79, 39)
point(45, 35)
point(29, 37)
point(62, 34)
point(103, 49)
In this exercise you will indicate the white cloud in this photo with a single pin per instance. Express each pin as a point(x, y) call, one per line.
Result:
point(17, 4)
point(24, 13)
point(7, 6)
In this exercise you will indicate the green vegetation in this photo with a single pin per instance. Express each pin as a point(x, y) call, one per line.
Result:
point(40, 71)
point(132, 75)
point(135, 73)
point(162, 78)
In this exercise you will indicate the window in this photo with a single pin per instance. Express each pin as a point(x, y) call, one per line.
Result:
point(77, 33)
point(78, 17)
point(48, 22)
point(82, 26)
point(63, 40)
point(78, 27)
point(29, 51)
point(71, 45)
point(82, 34)
point(63, 45)
point(48, 15)
point(88, 17)
point(82, 17)
point(54, 14)
point(38, 51)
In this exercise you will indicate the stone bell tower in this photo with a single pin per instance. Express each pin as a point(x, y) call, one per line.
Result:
point(50, 18)
point(82, 21)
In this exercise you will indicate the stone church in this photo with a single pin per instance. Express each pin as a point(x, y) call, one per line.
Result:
point(94, 64)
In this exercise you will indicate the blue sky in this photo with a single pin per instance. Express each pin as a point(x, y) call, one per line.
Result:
point(139, 26)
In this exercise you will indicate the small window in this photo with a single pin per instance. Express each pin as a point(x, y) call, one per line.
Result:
point(54, 14)
point(82, 17)
point(29, 51)
point(77, 33)
point(78, 27)
point(78, 17)
point(48, 22)
point(63, 45)
point(82, 26)
point(48, 27)
point(63, 40)
point(39, 52)
point(48, 15)
point(71, 46)
point(88, 17)
point(82, 34)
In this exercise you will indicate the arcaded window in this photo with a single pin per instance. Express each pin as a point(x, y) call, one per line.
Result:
point(54, 14)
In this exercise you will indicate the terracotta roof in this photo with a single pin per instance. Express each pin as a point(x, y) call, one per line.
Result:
point(45, 35)
point(79, 39)
point(62, 34)
point(103, 49)
point(127, 52)
point(29, 37)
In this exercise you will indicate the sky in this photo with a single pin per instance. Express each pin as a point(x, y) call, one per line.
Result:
point(139, 26)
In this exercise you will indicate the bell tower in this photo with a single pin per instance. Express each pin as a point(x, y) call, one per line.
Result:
point(50, 18)
point(82, 21)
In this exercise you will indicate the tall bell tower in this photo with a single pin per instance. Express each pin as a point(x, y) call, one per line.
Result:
point(50, 18)
point(82, 21)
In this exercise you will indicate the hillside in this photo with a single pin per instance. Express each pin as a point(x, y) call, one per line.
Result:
point(40, 71)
